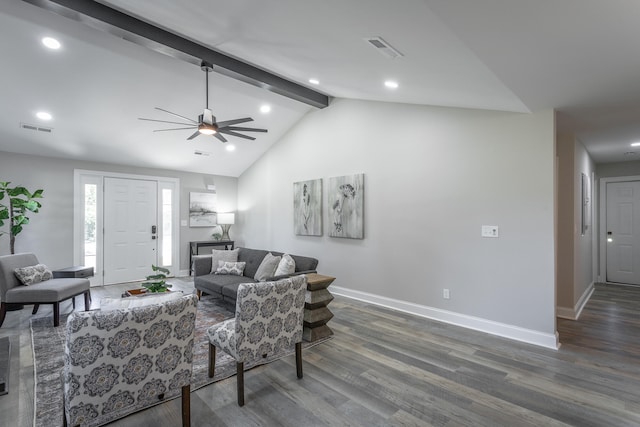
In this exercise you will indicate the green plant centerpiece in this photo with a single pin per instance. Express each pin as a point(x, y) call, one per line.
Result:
point(15, 204)
point(157, 282)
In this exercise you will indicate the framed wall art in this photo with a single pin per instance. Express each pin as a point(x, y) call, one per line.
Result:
point(307, 208)
point(202, 209)
point(346, 206)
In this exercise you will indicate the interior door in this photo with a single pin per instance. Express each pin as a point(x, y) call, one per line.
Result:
point(623, 232)
point(130, 225)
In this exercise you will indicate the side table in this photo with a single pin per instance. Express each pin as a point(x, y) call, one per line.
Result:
point(78, 271)
point(316, 312)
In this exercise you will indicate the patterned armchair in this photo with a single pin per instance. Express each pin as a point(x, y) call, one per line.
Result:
point(268, 322)
point(121, 361)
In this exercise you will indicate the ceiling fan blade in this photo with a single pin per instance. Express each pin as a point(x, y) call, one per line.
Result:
point(177, 115)
point(243, 129)
point(220, 137)
point(163, 121)
point(196, 133)
point(232, 133)
point(164, 130)
point(234, 122)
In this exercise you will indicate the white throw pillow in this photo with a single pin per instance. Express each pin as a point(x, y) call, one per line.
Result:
point(267, 267)
point(286, 266)
point(132, 302)
point(222, 255)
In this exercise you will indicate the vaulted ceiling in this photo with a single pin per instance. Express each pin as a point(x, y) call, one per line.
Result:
point(577, 56)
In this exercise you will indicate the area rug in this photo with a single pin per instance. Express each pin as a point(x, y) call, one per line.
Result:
point(48, 349)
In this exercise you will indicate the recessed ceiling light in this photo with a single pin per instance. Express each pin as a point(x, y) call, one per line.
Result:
point(265, 108)
point(314, 81)
point(391, 84)
point(635, 144)
point(231, 147)
point(43, 115)
point(51, 43)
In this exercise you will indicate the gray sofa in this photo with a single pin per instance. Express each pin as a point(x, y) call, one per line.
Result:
point(226, 286)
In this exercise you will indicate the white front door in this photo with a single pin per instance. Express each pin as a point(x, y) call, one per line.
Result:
point(623, 232)
point(130, 229)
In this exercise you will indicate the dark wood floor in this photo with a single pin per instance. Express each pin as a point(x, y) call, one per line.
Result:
point(389, 368)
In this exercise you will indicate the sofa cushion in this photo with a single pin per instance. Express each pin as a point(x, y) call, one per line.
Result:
point(222, 255)
point(33, 274)
point(286, 266)
point(214, 283)
point(230, 268)
point(253, 258)
point(267, 267)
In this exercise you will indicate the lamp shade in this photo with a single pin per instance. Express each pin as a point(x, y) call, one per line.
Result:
point(226, 218)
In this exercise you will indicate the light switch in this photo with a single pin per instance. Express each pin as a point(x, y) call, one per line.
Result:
point(490, 231)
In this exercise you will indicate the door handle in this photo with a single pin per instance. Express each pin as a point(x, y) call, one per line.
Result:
point(154, 229)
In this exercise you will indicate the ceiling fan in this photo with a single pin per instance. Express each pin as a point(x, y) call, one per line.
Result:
point(206, 123)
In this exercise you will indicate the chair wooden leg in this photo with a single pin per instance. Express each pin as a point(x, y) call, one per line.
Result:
point(56, 314)
point(35, 308)
point(73, 302)
point(87, 301)
point(212, 359)
point(186, 406)
point(199, 294)
point(240, 382)
point(3, 312)
point(299, 359)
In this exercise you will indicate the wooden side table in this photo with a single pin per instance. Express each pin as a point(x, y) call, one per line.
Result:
point(316, 312)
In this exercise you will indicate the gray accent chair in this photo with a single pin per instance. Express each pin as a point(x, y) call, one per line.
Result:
point(268, 323)
point(53, 291)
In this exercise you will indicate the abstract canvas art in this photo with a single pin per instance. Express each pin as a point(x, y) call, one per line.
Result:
point(202, 209)
point(346, 206)
point(307, 208)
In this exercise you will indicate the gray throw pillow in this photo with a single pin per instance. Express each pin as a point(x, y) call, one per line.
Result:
point(33, 274)
point(267, 267)
point(222, 255)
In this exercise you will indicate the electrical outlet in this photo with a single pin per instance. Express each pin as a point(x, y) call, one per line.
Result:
point(445, 293)
point(490, 231)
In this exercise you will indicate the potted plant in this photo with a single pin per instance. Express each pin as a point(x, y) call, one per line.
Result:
point(157, 282)
point(19, 201)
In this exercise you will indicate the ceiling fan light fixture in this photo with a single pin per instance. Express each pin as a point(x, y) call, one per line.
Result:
point(207, 129)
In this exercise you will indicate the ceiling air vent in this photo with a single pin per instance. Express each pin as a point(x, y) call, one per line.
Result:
point(383, 47)
point(36, 128)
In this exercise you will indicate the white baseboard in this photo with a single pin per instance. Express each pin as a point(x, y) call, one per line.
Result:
point(183, 273)
point(476, 323)
point(573, 313)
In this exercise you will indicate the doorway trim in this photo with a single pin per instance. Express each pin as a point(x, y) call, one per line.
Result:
point(79, 175)
point(602, 247)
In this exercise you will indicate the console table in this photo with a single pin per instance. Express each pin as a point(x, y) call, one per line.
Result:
point(316, 312)
point(195, 246)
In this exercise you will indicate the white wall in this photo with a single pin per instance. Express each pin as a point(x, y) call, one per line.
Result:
point(583, 244)
point(50, 233)
point(433, 176)
point(575, 262)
